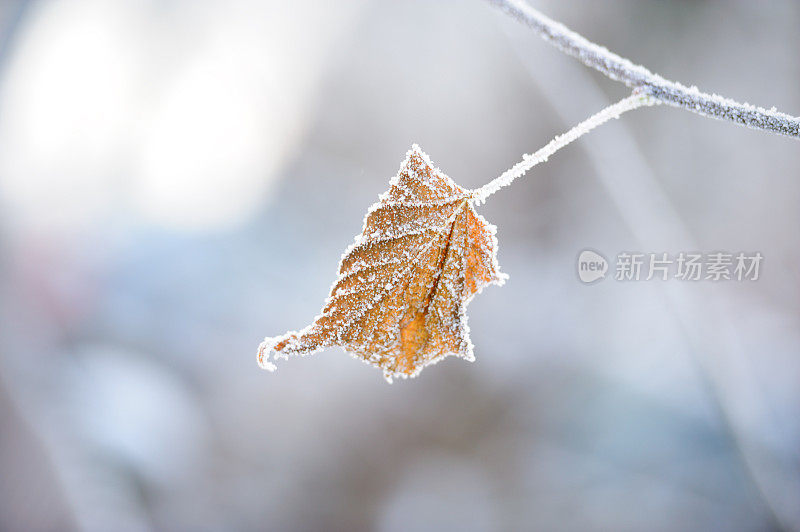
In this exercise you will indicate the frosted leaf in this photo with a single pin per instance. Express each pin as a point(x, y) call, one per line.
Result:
point(401, 297)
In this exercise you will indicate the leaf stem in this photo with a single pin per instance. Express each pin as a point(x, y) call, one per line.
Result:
point(638, 77)
point(634, 101)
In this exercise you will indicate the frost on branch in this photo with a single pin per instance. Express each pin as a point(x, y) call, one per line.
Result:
point(400, 301)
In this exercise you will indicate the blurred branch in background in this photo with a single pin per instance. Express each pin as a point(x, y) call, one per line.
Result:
point(11, 15)
point(28, 474)
point(636, 76)
point(651, 216)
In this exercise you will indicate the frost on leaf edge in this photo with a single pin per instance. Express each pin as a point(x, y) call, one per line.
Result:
point(267, 346)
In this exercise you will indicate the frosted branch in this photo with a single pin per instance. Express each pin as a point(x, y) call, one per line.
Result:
point(638, 77)
point(633, 101)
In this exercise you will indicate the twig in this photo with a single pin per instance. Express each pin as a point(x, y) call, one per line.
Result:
point(634, 101)
point(638, 77)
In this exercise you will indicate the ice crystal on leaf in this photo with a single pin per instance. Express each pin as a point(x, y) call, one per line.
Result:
point(400, 301)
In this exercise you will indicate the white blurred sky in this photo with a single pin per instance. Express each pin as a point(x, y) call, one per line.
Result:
point(179, 117)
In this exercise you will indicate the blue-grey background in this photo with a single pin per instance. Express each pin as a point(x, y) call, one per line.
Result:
point(179, 178)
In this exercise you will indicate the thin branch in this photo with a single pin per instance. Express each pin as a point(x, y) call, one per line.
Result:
point(638, 77)
point(634, 101)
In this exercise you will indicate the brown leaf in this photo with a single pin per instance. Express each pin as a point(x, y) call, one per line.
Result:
point(401, 297)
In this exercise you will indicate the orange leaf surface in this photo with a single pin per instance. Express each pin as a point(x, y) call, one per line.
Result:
point(401, 297)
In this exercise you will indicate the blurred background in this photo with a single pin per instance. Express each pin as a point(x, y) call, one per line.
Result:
point(178, 180)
